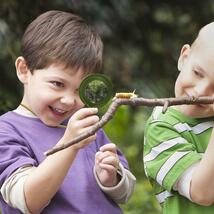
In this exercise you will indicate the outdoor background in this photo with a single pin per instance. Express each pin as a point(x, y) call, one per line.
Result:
point(142, 41)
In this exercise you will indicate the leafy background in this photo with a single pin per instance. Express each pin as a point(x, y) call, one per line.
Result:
point(142, 41)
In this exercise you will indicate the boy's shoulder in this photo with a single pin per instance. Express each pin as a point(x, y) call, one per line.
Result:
point(14, 121)
point(9, 122)
point(173, 119)
point(10, 117)
point(171, 116)
point(7, 117)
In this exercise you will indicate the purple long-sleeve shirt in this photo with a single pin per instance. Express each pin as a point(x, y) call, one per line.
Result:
point(23, 140)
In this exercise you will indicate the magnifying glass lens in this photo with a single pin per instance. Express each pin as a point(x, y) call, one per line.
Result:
point(95, 90)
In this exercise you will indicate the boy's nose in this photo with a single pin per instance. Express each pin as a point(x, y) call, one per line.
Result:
point(68, 100)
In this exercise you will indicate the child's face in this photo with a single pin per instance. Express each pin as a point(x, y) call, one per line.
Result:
point(196, 78)
point(52, 93)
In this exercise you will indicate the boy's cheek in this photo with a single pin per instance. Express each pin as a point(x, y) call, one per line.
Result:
point(80, 104)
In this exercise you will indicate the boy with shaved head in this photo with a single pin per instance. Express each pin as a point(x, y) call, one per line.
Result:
point(179, 145)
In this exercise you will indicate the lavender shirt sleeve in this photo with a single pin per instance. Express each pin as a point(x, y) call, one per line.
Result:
point(14, 153)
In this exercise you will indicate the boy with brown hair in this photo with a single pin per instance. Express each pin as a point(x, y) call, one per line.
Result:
point(58, 50)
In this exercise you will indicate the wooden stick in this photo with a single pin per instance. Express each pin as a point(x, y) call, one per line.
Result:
point(166, 102)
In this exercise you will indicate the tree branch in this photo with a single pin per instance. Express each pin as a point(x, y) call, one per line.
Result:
point(165, 102)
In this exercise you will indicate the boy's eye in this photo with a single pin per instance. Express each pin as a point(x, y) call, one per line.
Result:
point(197, 73)
point(57, 84)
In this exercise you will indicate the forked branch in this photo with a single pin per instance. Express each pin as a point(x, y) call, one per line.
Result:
point(165, 102)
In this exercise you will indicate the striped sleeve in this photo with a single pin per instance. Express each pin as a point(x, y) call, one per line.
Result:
point(166, 154)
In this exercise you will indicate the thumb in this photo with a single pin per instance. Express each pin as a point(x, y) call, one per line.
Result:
point(97, 155)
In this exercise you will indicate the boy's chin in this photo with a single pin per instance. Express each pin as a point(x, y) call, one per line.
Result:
point(198, 114)
point(192, 111)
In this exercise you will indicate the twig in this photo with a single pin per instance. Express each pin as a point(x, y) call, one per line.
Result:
point(165, 102)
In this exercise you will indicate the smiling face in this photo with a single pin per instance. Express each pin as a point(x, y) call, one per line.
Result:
point(52, 93)
point(196, 78)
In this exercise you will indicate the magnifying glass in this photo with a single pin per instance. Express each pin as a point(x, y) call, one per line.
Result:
point(96, 90)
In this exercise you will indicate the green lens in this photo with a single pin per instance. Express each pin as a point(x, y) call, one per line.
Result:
point(95, 90)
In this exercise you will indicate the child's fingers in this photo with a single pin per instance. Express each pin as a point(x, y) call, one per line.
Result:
point(103, 155)
point(85, 129)
point(88, 121)
point(111, 160)
point(84, 112)
point(109, 147)
point(84, 118)
point(108, 167)
point(97, 157)
point(85, 142)
point(108, 158)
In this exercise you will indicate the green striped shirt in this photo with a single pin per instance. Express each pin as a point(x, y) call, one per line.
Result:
point(173, 142)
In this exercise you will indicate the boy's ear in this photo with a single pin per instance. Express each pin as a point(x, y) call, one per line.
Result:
point(183, 56)
point(22, 70)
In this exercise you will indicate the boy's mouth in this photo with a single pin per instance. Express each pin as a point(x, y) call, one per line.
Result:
point(58, 111)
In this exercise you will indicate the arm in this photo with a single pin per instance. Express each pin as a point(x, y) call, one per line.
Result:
point(111, 176)
point(182, 185)
point(43, 182)
point(167, 155)
point(121, 192)
point(202, 184)
point(12, 190)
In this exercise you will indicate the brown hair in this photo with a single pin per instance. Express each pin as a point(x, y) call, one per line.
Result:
point(61, 37)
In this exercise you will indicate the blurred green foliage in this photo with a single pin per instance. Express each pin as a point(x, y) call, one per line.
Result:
point(126, 131)
point(142, 40)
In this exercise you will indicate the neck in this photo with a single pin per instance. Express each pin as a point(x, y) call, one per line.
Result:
point(28, 109)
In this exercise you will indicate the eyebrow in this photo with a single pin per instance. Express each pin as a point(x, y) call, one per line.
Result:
point(56, 77)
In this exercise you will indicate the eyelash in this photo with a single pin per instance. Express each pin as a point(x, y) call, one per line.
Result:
point(198, 74)
point(57, 84)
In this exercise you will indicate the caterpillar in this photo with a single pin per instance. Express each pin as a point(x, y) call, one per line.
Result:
point(125, 95)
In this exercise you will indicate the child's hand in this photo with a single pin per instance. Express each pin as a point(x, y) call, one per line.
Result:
point(80, 122)
point(107, 164)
